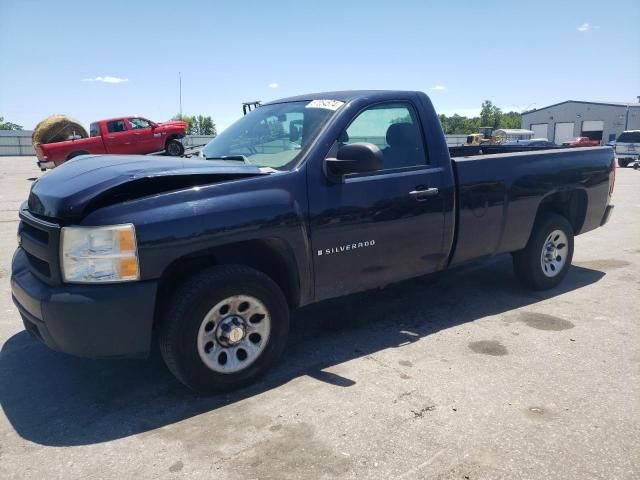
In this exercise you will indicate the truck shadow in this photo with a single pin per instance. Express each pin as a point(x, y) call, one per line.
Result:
point(54, 399)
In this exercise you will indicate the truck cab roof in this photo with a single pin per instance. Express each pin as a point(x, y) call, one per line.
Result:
point(347, 95)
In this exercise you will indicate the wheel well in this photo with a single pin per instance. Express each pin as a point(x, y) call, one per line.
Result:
point(174, 136)
point(77, 153)
point(570, 204)
point(269, 256)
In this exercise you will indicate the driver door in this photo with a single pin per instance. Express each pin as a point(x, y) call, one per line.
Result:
point(380, 227)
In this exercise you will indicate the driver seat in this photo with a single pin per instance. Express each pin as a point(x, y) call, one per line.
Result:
point(405, 146)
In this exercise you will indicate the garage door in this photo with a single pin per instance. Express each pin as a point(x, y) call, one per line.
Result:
point(540, 130)
point(593, 129)
point(564, 133)
point(592, 126)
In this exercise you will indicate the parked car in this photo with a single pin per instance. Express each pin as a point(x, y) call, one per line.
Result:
point(628, 147)
point(581, 142)
point(123, 136)
point(207, 256)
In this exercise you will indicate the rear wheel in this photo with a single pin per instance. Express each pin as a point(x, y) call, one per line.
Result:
point(224, 328)
point(174, 148)
point(622, 163)
point(545, 260)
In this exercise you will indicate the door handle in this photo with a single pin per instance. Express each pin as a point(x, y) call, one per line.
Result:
point(421, 194)
point(136, 134)
point(111, 138)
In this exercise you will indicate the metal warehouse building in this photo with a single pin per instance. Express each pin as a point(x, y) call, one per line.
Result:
point(598, 121)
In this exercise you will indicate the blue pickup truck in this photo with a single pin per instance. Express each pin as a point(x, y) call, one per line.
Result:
point(303, 199)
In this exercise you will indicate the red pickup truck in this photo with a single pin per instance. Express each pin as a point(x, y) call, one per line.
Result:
point(124, 135)
point(581, 142)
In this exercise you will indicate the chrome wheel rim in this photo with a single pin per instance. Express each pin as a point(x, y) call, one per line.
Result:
point(554, 253)
point(233, 334)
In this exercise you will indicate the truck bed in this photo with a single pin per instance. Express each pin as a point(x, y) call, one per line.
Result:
point(498, 195)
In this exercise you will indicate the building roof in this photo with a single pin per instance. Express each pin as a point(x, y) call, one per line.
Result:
point(611, 104)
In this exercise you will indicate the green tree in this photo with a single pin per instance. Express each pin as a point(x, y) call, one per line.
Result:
point(206, 126)
point(189, 120)
point(510, 120)
point(8, 125)
point(490, 116)
point(199, 124)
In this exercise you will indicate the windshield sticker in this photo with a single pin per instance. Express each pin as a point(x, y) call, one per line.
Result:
point(326, 104)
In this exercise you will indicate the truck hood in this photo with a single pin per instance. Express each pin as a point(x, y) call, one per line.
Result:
point(87, 183)
point(173, 123)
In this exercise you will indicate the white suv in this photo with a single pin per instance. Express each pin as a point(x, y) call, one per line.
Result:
point(628, 147)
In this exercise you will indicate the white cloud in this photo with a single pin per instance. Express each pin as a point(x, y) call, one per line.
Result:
point(106, 79)
point(274, 85)
point(587, 27)
point(438, 87)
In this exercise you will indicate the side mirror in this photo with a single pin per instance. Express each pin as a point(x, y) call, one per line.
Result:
point(359, 157)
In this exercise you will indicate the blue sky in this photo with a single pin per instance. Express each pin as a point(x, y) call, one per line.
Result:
point(93, 60)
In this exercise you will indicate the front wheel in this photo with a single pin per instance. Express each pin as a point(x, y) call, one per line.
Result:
point(174, 148)
point(546, 258)
point(224, 328)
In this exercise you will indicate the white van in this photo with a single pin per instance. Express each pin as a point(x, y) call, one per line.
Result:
point(628, 147)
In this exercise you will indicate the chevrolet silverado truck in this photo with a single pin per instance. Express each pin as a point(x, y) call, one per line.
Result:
point(303, 199)
point(122, 136)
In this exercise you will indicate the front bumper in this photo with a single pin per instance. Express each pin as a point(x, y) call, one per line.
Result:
point(607, 214)
point(95, 321)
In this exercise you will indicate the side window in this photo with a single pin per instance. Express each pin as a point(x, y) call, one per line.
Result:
point(394, 128)
point(94, 130)
point(116, 126)
point(139, 123)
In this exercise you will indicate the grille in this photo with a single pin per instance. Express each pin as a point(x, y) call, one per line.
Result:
point(40, 241)
point(40, 235)
point(41, 266)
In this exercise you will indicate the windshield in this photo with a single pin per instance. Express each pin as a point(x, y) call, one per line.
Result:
point(629, 137)
point(273, 135)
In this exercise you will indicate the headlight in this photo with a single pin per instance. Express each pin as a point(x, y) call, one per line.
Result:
point(99, 254)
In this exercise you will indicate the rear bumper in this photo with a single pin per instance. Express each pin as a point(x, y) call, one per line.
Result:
point(95, 321)
point(607, 214)
point(42, 165)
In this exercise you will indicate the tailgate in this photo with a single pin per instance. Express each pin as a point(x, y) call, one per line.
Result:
point(628, 148)
point(39, 152)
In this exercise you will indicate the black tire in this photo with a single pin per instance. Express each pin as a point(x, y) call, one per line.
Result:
point(622, 163)
point(77, 154)
point(174, 148)
point(181, 322)
point(528, 263)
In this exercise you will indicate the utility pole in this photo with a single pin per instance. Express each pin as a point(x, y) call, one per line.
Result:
point(180, 82)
